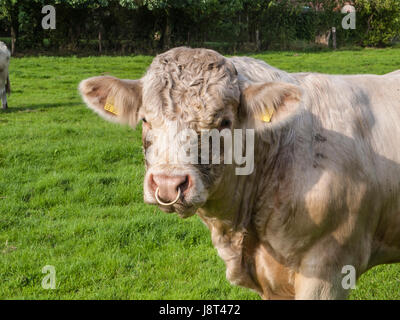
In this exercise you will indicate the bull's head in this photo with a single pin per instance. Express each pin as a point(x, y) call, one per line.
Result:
point(183, 89)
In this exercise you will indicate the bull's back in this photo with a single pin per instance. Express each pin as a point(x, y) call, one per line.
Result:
point(378, 125)
point(362, 113)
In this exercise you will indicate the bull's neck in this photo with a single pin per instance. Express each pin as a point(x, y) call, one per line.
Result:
point(237, 199)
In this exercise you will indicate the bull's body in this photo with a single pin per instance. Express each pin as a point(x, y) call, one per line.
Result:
point(324, 195)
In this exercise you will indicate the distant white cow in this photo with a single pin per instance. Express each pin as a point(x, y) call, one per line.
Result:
point(4, 77)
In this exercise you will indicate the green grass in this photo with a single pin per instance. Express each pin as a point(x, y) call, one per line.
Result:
point(71, 192)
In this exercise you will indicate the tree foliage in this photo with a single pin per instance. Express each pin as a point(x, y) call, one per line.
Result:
point(379, 20)
point(226, 25)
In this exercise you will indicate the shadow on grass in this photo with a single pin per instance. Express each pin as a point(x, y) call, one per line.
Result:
point(37, 106)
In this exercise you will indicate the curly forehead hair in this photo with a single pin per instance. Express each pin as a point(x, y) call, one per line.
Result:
point(194, 83)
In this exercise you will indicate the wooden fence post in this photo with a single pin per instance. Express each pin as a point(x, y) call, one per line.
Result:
point(334, 38)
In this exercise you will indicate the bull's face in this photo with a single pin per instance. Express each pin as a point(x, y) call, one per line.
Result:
point(180, 176)
point(186, 96)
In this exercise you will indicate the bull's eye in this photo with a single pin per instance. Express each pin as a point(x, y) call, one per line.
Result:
point(144, 120)
point(225, 124)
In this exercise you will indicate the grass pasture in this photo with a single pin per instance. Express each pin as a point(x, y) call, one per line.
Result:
point(71, 192)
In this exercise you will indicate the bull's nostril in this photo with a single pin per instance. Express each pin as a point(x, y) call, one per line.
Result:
point(184, 185)
point(153, 185)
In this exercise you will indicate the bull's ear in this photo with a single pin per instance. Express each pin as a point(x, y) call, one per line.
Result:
point(113, 99)
point(270, 103)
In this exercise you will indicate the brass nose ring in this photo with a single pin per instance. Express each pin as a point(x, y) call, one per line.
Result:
point(167, 203)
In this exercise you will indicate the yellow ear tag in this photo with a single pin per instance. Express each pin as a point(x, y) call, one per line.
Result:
point(267, 116)
point(110, 106)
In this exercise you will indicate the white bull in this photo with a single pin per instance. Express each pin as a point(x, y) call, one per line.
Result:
point(324, 195)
